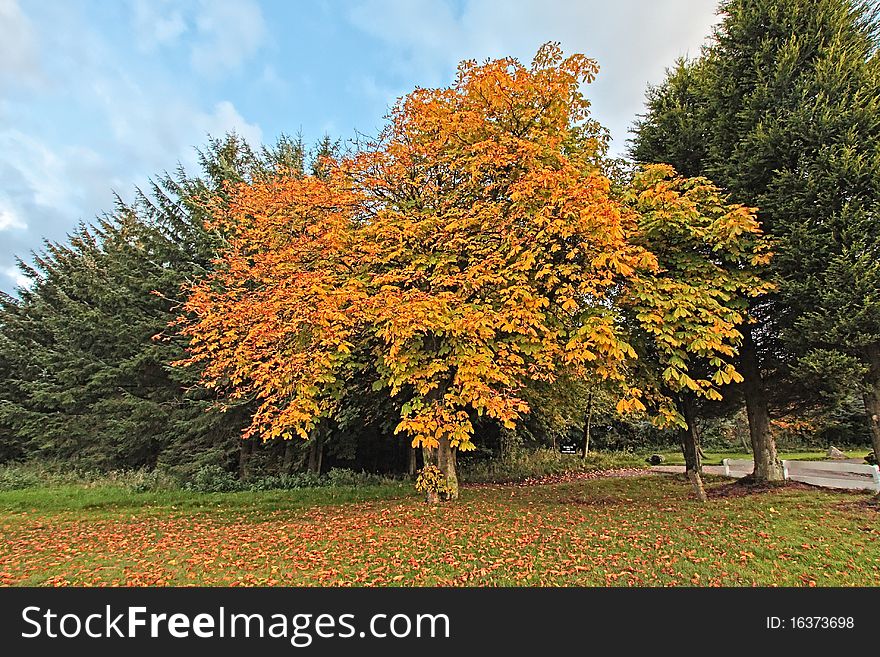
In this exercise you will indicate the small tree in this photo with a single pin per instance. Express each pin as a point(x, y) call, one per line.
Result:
point(686, 314)
point(783, 112)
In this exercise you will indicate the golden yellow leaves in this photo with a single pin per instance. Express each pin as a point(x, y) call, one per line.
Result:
point(707, 252)
point(473, 249)
point(630, 405)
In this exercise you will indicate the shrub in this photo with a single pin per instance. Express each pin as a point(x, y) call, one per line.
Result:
point(213, 479)
point(527, 464)
point(344, 477)
point(143, 481)
point(47, 473)
point(14, 477)
point(209, 478)
point(287, 482)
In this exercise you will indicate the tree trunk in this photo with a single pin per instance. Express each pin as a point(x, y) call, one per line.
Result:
point(287, 459)
point(447, 462)
point(504, 442)
point(244, 456)
point(588, 420)
point(443, 457)
point(737, 427)
point(690, 446)
point(767, 464)
point(316, 454)
point(872, 396)
point(411, 464)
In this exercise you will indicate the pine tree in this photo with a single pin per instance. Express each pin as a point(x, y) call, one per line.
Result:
point(85, 348)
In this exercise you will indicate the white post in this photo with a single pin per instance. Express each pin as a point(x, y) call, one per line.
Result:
point(726, 465)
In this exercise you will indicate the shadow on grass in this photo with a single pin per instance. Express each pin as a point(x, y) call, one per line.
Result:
point(869, 505)
point(748, 486)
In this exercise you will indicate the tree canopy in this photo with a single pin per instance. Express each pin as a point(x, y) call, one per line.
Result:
point(474, 248)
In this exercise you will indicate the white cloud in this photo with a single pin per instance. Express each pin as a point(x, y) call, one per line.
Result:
point(9, 220)
point(273, 82)
point(84, 117)
point(38, 168)
point(152, 133)
point(18, 279)
point(18, 45)
point(45, 190)
point(633, 40)
point(120, 124)
point(229, 32)
point(84, 120)
point(221, 34)
point(427, 32)
point(225, 118)
point(60, 179)
point(370, 88)
point(157, 22)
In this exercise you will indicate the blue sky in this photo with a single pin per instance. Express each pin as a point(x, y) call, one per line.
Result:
point(97, 95)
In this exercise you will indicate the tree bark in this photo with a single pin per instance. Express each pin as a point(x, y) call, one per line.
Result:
point(690, 446)
point(287, 459)
point(244, 456)
point(429, 457)
point(411, 465)
point(316, 454)
point(872, 396)
point(588, 420)
point(444, 458)
point(504, 442)
point(741, 435)
point(447, 462)
point(767, 464)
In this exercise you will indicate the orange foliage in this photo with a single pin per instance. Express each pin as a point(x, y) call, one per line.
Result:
point(474, 247)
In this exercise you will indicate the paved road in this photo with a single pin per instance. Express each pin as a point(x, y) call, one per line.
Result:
point(679, 469)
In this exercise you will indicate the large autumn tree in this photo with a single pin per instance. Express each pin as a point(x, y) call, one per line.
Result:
point(783, 111)
point(475, 248)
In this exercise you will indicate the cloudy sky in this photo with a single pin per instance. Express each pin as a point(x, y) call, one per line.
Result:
point(96, 96)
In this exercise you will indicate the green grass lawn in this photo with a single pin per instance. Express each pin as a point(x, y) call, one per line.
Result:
point(714, 458)
point(627, 531)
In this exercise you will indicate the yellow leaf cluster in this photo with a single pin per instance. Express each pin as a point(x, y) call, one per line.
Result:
point(474, 247)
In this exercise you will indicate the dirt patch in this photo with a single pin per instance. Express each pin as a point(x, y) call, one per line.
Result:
point(869, 505)
point(743, 488)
